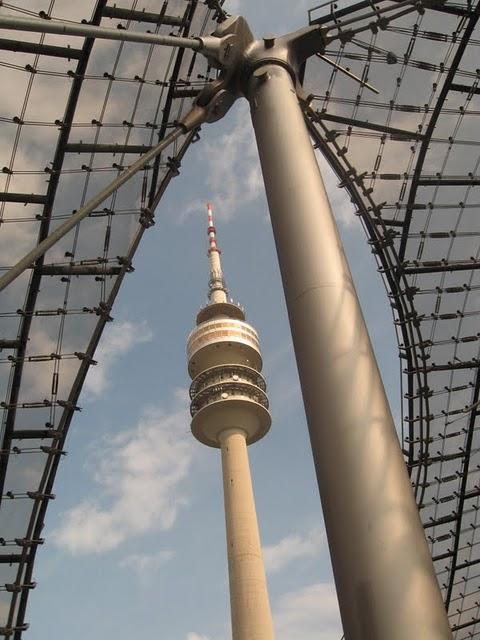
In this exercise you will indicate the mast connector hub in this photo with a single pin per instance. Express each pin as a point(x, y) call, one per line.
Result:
point(233, 49)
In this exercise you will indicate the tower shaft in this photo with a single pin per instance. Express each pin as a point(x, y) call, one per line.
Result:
point(250, 607)
point(217, 284)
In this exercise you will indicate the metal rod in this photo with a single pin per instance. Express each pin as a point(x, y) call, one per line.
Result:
point(142, 16)
point(348, 73)
point(85, 147)
point(80, 270)
point(40, 25)
point(8, 344)
point(28, 260)
point(384, 574)
point(368, 27)
point(373, 14)
point(41, 49)
point(318, 116)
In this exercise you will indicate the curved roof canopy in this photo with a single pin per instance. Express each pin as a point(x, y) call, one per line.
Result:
point(409, 156)
point(402, 135)
point(74, 113)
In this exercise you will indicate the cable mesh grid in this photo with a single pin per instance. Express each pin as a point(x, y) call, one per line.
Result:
point(74, 114)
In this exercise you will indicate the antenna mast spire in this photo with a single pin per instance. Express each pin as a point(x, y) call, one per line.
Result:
point(217, 290)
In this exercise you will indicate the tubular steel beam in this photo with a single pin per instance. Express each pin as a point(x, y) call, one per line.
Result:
point(384, 574)
point(439, 521)
point(142, 16)
point(28, 260)
point(471, 622)
point(25, 198)
point(188, 92)
point(337, 14)
point(441, 268)
point(80, 270)
point(9, 344)
point(91, 31)
point(35, 434)
point(10, 558)
point(448, 182)
point(465, 88)
point(453, 9)
point(40, 49)
point(363, 124)
point(451, 366)
point(389, 222)
point(467, 563)
point(85, 147)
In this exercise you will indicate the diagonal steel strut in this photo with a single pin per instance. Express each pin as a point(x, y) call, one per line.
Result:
point(27, 261)
point(41, 25)
point(208, 45)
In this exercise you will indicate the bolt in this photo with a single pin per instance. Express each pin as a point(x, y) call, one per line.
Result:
point(269, 40)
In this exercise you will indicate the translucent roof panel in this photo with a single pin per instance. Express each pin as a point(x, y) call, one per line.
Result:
point(74, 113)
point(409, 155)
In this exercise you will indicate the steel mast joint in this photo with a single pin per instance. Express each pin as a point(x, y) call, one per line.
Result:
point(233, 49)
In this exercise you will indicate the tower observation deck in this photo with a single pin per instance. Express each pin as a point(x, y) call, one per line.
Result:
point(229, 411)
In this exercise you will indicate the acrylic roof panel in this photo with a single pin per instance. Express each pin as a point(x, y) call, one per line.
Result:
point(74, 113)
point(410, 159)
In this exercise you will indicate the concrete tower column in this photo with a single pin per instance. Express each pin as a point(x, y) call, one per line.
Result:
point(250, 607)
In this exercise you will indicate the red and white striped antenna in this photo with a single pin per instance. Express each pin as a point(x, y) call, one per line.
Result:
point(217, 290)
point(212, 232)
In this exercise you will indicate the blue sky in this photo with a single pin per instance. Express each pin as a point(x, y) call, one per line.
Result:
point(135, 539)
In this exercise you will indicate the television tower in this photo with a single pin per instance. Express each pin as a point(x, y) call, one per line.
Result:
point(229, 411)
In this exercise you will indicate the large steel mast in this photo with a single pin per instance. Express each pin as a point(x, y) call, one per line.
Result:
point(383, 571)
point(384, 574)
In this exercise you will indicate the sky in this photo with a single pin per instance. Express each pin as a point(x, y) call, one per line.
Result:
point(135, 541)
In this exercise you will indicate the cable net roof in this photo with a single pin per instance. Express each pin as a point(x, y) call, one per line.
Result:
point(410, 159)
point(73, 114)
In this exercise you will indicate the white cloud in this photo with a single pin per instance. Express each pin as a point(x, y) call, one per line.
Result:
point(139, 476)
point(143, 561)
point(310, 613)
point(279, 555)
point(232, 167)
point(195, 636)
point(234, 178)
point(117, 340)
point(143, 565)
